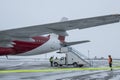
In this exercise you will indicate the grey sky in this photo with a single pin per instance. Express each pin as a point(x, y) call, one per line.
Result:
point(104, 39)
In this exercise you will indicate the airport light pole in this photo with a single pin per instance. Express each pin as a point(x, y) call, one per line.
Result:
point(88, 54)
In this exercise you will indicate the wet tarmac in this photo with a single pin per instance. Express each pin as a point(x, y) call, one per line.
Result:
point(55, 75)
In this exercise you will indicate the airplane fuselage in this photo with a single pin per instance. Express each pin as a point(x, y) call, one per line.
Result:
point(39, 45)
point(16, 41)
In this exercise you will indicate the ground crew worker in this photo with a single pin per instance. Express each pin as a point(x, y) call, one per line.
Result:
point(51, 61)
point(110, 61)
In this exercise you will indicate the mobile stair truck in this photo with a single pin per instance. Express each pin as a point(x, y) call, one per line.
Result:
point(72, 57)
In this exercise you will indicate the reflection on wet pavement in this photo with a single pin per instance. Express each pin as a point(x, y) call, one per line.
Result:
point(105, 75)
point(55, 75)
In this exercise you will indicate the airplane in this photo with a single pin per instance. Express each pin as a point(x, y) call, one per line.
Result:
point(28, 40)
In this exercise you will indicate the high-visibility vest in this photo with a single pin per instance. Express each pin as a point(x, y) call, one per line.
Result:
point(51, 59)
point(110, 60)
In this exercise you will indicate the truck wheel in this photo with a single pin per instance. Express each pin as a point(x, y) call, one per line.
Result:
point(55, 64)
point(61, 65)
point(81, 65)
point(75, 64)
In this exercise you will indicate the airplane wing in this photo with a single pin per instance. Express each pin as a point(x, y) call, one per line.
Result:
point(58, 27)
point(74, 43)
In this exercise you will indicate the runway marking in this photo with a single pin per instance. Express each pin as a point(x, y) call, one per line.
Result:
point(57, 69)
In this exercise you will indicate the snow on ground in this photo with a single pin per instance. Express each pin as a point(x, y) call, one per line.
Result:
point(57, 75)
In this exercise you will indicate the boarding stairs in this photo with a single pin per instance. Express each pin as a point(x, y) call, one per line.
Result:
point(82, 57)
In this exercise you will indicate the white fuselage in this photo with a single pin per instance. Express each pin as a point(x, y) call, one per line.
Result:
point(51, 45)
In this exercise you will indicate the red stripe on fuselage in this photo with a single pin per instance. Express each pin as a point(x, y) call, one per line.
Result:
point(6, 51)
point(23, 46)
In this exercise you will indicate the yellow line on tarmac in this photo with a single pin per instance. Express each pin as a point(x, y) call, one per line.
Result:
point(55, 70)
